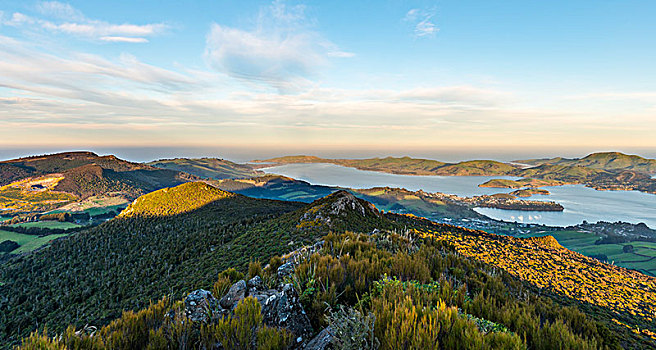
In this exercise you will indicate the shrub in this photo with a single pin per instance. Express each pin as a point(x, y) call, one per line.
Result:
point(351, 329)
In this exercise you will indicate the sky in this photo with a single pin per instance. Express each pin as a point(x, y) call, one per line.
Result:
point(247, 78)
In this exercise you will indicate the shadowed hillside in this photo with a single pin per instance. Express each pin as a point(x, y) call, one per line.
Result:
point(209, 168)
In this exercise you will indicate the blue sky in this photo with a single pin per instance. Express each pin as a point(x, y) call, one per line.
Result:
point(382, 76)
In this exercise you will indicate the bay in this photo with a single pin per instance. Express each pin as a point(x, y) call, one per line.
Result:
point(580, 202)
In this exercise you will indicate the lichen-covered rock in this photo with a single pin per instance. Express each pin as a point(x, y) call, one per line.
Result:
point(285, 270)
point(237, 292)
point(255, 283)
point(199, 305)
point(284, 309)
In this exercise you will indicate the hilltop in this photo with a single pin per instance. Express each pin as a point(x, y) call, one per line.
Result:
point(208, 168)
point(340, 251)
point(174, 201)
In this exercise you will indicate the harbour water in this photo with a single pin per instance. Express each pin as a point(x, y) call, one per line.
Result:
point(580, 202)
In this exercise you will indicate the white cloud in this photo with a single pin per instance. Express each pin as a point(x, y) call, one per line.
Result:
point(422, 22)
point(123, 39)
point(63, 18)
point(280, 51)
point(18, 19)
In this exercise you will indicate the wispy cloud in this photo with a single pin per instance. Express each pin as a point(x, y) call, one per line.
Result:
point(60, 10)
point(281, 50)
point(422, 22)
point(63, 18)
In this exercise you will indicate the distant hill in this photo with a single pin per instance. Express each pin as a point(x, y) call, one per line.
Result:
point(404, 165)
point(602, 160)
point(602, 171)
point(208, 168)
point(443, 284)
point(275, 187)
point(81, 175)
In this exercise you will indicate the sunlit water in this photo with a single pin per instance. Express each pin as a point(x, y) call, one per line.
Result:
point(580, 202)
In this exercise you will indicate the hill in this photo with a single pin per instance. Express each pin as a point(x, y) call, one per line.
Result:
point(602, 160)
point(395, 280)
point(404, 165)
point(207, 168)
point(560, 174)
point(275, 187)
point(601, 171)
point(75, 176)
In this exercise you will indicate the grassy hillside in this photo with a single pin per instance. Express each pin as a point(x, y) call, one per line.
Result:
point(46, 182)
point(27, 242)
point(34, 194)
point(417, 203)
point(174, 201)
point(207, 168)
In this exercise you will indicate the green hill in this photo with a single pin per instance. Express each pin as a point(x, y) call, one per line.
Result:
point(208, 168)
point(476, 168)
point(602, 160)
point(174, 201)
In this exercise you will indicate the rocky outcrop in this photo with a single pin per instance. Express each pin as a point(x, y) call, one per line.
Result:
point(338, 206)
point(235, 294)
point(285, 270)
point(199, 305)
point(281, 307)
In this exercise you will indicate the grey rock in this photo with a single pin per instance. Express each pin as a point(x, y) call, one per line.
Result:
point(199, 305)
point(236, 293)
point(284, 309)
point(255, 283)
point(285, 270)
point(321, 341)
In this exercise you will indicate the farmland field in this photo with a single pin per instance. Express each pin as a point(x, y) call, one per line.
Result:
point(49, 224)
point(27, 242)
